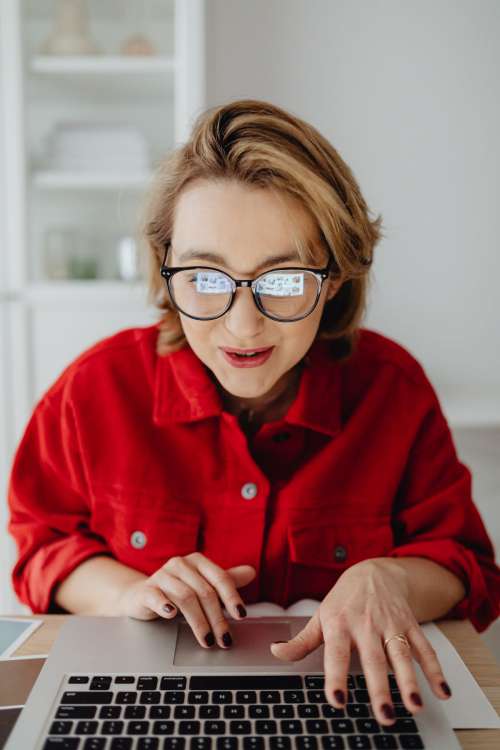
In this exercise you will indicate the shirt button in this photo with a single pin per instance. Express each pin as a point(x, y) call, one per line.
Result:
point(249, 491)
point(138, 539)
point(340, 553)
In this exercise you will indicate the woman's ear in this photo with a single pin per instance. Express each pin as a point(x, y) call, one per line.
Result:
point(333, 285)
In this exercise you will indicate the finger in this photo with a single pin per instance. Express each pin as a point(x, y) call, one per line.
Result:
point(302, 644)
point(427, 658)
point(374, 666)
point(207, 597)
point(337, 657)
point(186, 600)
point(158, 603)
point(401, 659)
point(225, 582)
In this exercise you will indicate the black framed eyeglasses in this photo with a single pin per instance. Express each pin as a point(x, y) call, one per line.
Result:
point(282, 294)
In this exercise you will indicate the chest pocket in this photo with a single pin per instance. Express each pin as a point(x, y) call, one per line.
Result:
point(145, 535)
point(319, 553)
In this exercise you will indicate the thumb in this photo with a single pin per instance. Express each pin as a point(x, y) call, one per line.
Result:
point(306, 640)
point(242, 574)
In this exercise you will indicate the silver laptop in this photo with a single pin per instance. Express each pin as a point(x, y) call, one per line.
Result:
point(121, 684)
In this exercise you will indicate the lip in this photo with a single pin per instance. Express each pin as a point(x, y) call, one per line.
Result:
point(262, 354)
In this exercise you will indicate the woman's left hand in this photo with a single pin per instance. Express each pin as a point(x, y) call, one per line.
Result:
point(369, 603)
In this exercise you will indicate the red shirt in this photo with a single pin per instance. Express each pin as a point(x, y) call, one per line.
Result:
point(131, 454)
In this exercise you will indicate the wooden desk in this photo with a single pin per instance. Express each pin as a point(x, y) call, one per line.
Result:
point(469, 645)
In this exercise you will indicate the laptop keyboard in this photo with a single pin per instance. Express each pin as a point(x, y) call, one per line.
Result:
point(221, 712)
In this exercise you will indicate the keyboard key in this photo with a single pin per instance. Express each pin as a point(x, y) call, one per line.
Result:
point(264, 726)
point(283, 712)
point(159, 712)
point(350, 682)
point(112, 727)
point(184, 712)
point(134, 712)
point(86, 727)
point(245, 682)
point(315, 682)
point(110, 712)
point(360, 681)
point(329, 712)
point(401, 711)
point(138, 727)
point(174, 743)
point(94, 743)
point(291, 727)
point(208, 712)
point(246, 696)
point(306, 743)
point(87, 697)
point(200, 743)
point(411, 742)
point(316, 726)
point(148, 743)
point(331, 742)
point(234, 712)
point(357, 710)
point(173, 683)
point(163, 727)
point(402, 726)
point(126, 696)
point(316, 696)
point(294, 696)
point(280, 743)
point(188, 727)
point(361, 696)
point(148, 697)
point(124, 679)
point(147, 683)
point(214, 727)
point(76, 712)
point(121, 743)
point(100, 683)
point(78, 679)
point(258, 712)
point(367, 726)
point(61, 727)
point(308, 711)
point(240, 727)
point(270, 696)
point(342, 726)
point(222, 696)
point(61, 743)
point(200, 696)
point(173, 696)
point(253, 743)
point(359, 742)
point(384, 742)
point(227, 743)
point(396, 696)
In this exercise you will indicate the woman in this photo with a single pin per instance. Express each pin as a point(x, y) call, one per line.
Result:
point(256, 444)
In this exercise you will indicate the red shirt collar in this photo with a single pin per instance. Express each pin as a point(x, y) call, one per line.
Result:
point(185, 392)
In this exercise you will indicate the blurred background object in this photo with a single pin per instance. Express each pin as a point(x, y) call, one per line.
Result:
point(70, 34)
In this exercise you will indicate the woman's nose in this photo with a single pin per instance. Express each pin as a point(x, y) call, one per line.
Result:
point(244, 319)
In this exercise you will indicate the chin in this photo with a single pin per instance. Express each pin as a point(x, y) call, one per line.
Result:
point(238, 387)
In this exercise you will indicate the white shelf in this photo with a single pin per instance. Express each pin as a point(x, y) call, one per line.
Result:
point(47, 180)
point(101, 64)
point(78, 290)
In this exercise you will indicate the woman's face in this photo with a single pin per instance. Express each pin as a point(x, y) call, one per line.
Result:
point(245, 231)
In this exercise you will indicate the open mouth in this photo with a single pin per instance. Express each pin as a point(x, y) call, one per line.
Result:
point(247, 357)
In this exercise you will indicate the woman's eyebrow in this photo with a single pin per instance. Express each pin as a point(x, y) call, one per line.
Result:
point(209, 257)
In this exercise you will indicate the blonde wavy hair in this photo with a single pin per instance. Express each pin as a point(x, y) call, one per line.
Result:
point(262, 145)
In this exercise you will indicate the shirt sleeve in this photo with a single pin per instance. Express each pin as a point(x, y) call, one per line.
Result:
point(435, 517)
point(49, 505)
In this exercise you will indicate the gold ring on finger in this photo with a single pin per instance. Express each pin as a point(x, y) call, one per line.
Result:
point(400, 637)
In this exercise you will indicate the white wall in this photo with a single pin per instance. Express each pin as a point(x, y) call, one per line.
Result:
point(408, 94)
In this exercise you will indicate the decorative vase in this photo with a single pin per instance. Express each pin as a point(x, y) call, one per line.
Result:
point(70, 34)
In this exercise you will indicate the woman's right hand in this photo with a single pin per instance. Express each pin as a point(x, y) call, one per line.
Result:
point(195, 586)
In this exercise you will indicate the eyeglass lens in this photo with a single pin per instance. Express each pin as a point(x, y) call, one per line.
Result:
point(205, 293)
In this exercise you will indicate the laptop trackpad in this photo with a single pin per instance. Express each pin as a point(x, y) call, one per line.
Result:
point(251, 642)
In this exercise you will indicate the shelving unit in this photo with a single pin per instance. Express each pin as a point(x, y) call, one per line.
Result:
point(47, 321)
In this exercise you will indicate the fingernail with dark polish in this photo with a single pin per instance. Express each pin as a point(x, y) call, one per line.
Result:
point(339, 696)
point(388, 711)
point(241, 610)
point(209, 638)
point(168, 608)
point(416, 699)
point(446, 688)
point(227, 640)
